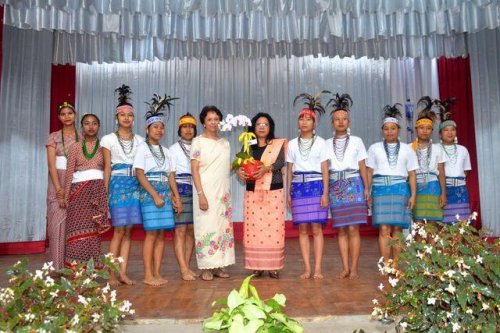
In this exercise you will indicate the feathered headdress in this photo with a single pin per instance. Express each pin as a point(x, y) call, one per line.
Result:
point(340, 103)
point(313, 104)
point(427, 115)
point(124, 93)
point(392, 113)
point(156, 106)
point(445, 112)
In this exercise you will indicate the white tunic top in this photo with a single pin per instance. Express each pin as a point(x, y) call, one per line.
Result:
point(377, 160)
point(110, 142)
point(313, 162)
point(182, 162)
point(354, 153)
point(456, 167)
point(437, 156)
point(145, 160)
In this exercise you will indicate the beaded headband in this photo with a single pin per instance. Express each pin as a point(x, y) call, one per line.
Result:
point(186, 120)
point(66, 104)
point(307, 112)
point(155, 119)
point(390, 120)
point(424, 121)
point(447, 123)
point(123, 108)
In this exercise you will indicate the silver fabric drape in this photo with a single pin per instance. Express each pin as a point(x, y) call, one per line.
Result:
point(24, 126)
point(136, 30)
point(249, 86)
point(485, 79)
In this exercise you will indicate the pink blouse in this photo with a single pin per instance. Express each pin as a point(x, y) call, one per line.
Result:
point(55, 141)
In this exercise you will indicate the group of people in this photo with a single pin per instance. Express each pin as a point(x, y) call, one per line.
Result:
point(186, 187)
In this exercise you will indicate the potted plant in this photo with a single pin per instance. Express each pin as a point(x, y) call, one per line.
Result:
point(447, 279)
point(246, 312)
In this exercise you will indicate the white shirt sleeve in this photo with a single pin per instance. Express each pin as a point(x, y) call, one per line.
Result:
point(361, 151)
point(467, 166)
point(290, 153)
point(370, 160)
point(106, 142)
point(412, 161)
point(139, 159)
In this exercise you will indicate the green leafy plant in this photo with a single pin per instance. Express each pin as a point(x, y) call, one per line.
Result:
point(447, 279)
point(75, 302)
point(247, 313)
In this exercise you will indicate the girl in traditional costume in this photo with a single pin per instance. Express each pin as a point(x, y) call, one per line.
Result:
point(155, 170)
point(57, 146)
point(86, 197)
point(307, 180)
point(184, 234)
point(119, 152)
point(456, 167)
point(264, 211)
point(212, 209)
point(431, 186)
point(348, 184)
point(391, 167)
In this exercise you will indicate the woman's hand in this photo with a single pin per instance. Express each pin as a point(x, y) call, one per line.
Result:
point(61, 202)
point(411, 202)
point(261, 171)
point(289, 201)
point(242, 174)
point(60, 193)
point(159, 202)
point(177, 203)
point(203, 202)
point(324, 200)
point(443, 200)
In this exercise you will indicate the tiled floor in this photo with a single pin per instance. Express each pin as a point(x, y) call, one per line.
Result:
point(192, 300)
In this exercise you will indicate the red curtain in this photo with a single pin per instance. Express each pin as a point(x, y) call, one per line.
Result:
point(63, 87)
point(455, 81)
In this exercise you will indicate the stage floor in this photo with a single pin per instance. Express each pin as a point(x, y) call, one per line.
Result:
point(192, 300)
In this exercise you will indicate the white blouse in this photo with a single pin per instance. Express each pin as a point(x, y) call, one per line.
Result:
point(110, 142)
point(354, 153)
point(377, 160)
point(312, 162)
point(456, 165)
point(145, 160)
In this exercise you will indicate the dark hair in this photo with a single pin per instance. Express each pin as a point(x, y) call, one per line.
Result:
point(209, 108)
point(90, 115)
point(179, 130)
point(270, 136)
point(64, 105)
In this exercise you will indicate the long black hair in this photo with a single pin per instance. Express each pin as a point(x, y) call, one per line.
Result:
point(251, 128)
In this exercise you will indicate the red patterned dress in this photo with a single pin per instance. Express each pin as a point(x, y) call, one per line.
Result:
point(87, 210)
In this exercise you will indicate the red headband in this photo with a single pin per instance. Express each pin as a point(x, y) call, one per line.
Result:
point(307, 112)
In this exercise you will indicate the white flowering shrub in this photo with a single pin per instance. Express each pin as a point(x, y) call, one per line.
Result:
point(447, 279)
point(75, 302)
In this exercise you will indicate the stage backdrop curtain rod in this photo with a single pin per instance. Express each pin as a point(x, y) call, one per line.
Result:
point(124, 31)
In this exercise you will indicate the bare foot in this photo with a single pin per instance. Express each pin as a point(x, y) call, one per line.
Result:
point(318, 276)
point(126, 280)
point(161, 280)
point(187, 276)
point(306, 275)
point(114, 282)
point(220, 273)
point(343, 274)
point(193, 273)
point(353, 276)
point(152, 282)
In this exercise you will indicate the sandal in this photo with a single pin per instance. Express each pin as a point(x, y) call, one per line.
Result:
point(207, 276)
point(274, 274)
point(220, 273)
point(257, 273)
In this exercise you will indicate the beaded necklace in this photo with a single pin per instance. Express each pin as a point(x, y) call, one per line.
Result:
point(392, 153)
point(184, 147)
point(451, 152)
point(64, 146)
point(86, 153)
point(340, 147)
point(158, 154)
point(127, 145)
point(424, 157)
point(305, 146)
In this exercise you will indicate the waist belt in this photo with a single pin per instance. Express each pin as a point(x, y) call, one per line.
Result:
point(61, 162)
point(183, 178)
point(344, 174)
point(426, 177)
point(455, 181)
point(84, 175)
point(304, 177)
point(388, 180)
point(123, 170)
point(157, 176)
